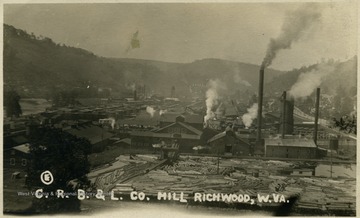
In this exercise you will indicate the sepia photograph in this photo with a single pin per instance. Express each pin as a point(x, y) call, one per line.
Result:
point(180, 109)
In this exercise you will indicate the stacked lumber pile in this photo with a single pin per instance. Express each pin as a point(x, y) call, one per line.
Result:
point(124, 188)
point(161, 181)
point(190, 166)
point(198, 174)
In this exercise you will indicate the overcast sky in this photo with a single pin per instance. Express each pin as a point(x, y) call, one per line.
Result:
point(184, 32)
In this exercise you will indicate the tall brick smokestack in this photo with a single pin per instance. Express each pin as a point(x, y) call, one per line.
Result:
point(260, 103)
point(144, 92)
point(287, 117)
point(172, 92)
point(283, 120)
point(135, 95)
point(317, 106)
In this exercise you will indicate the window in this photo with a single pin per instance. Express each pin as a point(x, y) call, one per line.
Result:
point(12, 152)
point(12, 161)
point(23, 162)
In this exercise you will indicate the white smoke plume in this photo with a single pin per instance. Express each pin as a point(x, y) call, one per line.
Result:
point(248, 118)
point(112, 122)
point(212, 96)
point(150, 110)
point(161, 112)
point(307, 82)
point(240, 81)
point(294, 27)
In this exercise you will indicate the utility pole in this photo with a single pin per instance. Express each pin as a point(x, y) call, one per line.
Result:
point(317, 105)
point(218, 161)
point(331, 163)
point(283, 116)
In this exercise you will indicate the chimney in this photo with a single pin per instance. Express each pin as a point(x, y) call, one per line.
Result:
point(260, 103)
point(317, 105)
point(287, 118)
point(173, 92)
point(144, 92)
point(135, 95)
point(283, 120)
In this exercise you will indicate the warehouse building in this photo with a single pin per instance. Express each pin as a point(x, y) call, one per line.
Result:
point(290, 148)
point(179, 132)
point(229, 143)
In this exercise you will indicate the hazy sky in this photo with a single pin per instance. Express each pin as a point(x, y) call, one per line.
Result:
point(184, 32)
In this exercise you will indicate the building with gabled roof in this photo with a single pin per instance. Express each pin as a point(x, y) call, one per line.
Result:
point(179, 127)
point(185, 135)
point(17, 157)
point(193, 120)
point(14, 140)
point(98, 137)
point(229, 142)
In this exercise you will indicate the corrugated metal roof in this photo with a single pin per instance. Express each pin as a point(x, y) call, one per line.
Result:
point(171, 135)
point(193, 129)
point(295, 142)
point(92, 133)
point(20, 139)
point(186, 126)
point(217, 136)
point(163, 135)
point(223, 134)
point(142, 133)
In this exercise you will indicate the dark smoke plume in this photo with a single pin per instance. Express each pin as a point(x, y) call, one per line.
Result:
point(294, 27)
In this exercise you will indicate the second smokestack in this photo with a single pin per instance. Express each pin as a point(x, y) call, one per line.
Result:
point(283, 120)
point(135, 95)
point(260, 103)
point(317, 105)
point(287, 117)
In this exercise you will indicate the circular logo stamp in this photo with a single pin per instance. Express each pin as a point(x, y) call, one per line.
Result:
point(46, 177)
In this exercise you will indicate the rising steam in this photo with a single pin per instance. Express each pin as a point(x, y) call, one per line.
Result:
point(150, 110)
point(248, 118)
point(161, 112)
point(112, 122)
point(212, 96)
point(240, 81)
point(307, 82)
point(294, 27)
